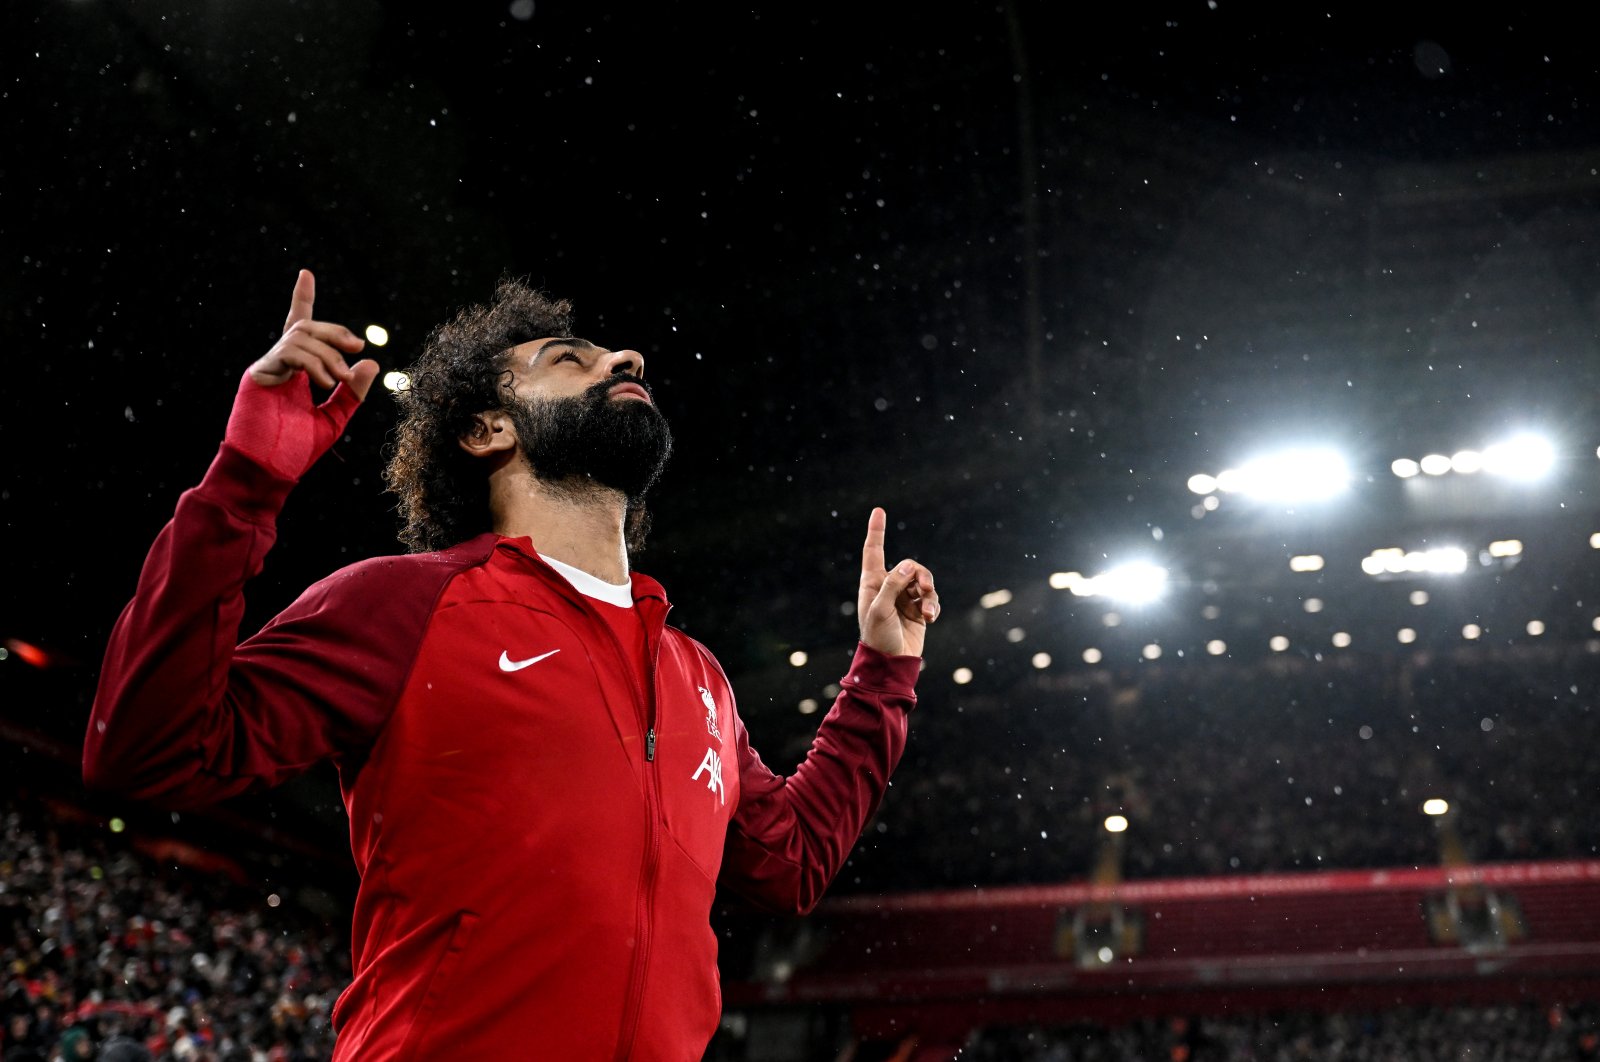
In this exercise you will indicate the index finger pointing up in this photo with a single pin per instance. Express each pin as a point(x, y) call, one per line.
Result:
point(872, 551)
point(305, 292)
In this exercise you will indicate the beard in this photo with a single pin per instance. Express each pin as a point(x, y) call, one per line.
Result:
point(590, 440)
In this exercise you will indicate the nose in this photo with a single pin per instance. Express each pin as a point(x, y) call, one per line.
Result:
point(625, 363)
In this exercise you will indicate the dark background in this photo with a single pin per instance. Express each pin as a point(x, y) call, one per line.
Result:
point(1013, 271)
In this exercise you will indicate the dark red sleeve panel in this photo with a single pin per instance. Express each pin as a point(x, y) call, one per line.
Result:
point(182, 717)
point(790, 836)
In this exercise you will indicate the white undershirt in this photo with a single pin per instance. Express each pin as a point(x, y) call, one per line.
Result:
point(619, 594)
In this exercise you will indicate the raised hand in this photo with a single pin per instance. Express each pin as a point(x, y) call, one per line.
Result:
point(894, 606)
point(275, 421)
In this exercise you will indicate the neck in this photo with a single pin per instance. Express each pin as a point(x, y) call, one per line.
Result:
point(580, 524)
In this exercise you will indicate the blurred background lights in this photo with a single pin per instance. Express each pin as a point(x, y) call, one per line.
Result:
point(117, 825)
point(1471, 632)
point(809, 706)
point(1418, 597)
point(1112, 619)
point(377, 335)
point(1201, 483)
point(1594, 540)
point(1306, 562)
point(1312, 605)
point(1278, 643)
point(1064, 580)
point(1406, 635)
point(1116, 823)
point(1216, 647)
point(1435, 806)
point(1442, 560)
point(961, 676)
point(1015, 635)
point(1536, 627)
point(397, 381)
point(798, 658)
point(1041, 660)
point(1152, 651)
point(1341, 640)
point(1507, 547)
point(1435, 464)
point(1092, 655)
point(1135, 583)
point(995, 598)
point(1524, 457)
point(1290, 476)
point(1405, 468)
point(1466, 462)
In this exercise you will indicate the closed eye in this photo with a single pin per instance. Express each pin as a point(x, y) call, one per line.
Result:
point(567, 354)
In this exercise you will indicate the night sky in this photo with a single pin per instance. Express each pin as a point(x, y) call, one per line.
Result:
point(1012, 271)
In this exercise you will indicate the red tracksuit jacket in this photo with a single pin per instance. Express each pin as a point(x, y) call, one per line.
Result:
point(538, 847)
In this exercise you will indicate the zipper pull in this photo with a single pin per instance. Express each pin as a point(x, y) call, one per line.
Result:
point(650, 744)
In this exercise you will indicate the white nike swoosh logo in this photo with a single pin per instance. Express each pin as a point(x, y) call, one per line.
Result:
point(508, 664)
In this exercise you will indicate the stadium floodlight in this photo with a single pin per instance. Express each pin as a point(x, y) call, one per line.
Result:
point(1064, 580)
point(1506, 547)
point(1135, 583)
point(1092, 655)
point(1435, 806)
point(1041, 660)
point(1466, 462)
point(1535, 627)
point(1442, 560)
point(396, 381)
point(1216, 646)
point(1306, 562)
point(961, 676)
point(1435, 464)
point(1201, 483)
point(995, 598)
point(1525, 457)
point(1278, 643)
point(1290, 476)
point(1341, 639)
point(1116, 823)
point(1405, 468)
point(1472, 632)
point(377, 335)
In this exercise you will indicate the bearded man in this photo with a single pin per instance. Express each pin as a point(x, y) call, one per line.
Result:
point(545, 782)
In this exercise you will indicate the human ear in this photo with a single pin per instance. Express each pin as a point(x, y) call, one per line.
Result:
point(490, 434)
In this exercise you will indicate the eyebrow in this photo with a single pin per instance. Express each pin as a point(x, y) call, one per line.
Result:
point(561, 341)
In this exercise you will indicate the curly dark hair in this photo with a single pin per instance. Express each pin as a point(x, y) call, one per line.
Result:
point(463, 371)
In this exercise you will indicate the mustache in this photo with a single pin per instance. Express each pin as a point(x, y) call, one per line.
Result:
point(599, 392)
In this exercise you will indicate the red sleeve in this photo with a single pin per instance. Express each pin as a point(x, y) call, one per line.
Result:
point(790, 836)
point(182, 717)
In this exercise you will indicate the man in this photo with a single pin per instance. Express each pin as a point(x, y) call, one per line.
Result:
point(544, 781)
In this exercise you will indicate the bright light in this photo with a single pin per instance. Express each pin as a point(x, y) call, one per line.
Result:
point(1112, 619)
point(1116, 823)
point(1405, 468)
point(1015, 635)
point(1152, 651)
point(377, 335)
point(1406, 635)
point(1472, 632)
point(1525, 457)
point(1137, 583)
point(1466, 462)
point(798, 658)
point(1435, 806)
point(1436, 464)
point(809, 706)
point(117, 825)
point(995, 598)
point(1216, 646)
point(1064, 580)
point(1312, 605)
point(961, 676)
point(1092, 655)
point(1508, 547)
point(1105, 955)
point(1210, 503)
point(1341, 640)
point(1278, 643)
point(1041, 660)
point(1309, 562)
point(1443, 560)
point(1536, 627)
point(1201, 483)
point(397, 381)
point(1292, 476)
point(1594, 540)
point(1418, 597)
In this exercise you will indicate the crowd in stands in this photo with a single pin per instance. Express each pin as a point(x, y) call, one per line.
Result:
point(1290, 764)
point(1527, 1033)
point(107, 954)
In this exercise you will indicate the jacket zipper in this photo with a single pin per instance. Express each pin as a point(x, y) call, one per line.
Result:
point(634, 1000)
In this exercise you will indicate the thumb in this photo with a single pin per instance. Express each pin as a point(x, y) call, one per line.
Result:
point(362, 373)
point(895, 582)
